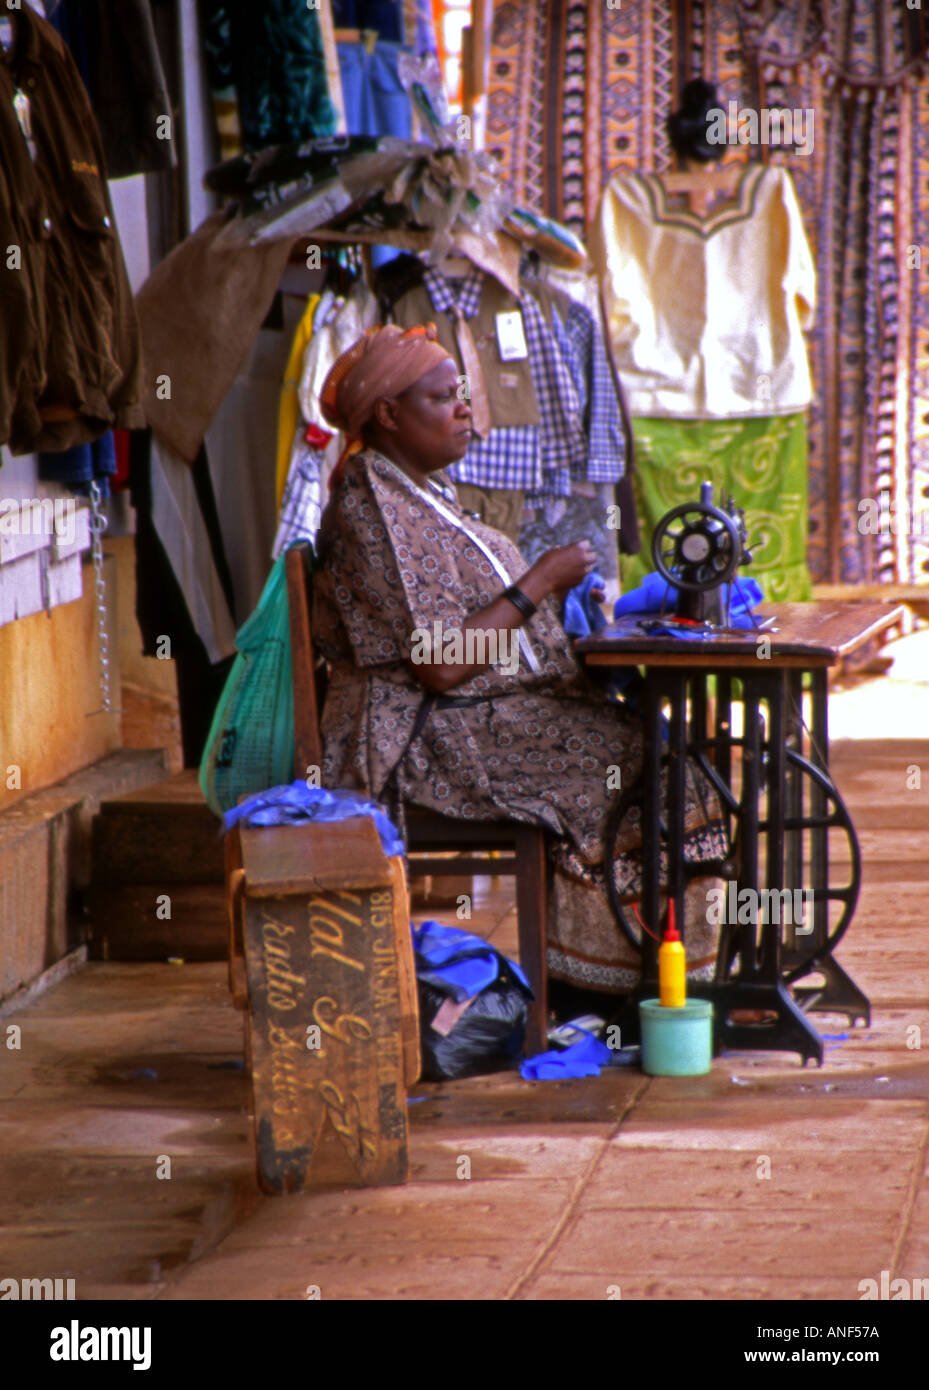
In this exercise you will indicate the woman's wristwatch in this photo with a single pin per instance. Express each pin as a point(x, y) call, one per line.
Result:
point(520, 600)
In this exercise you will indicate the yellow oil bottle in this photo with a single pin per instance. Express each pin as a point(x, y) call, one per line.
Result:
point(672, 966)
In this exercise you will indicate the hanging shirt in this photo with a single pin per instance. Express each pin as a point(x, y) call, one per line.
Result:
point(70, 360)
point(562, 439)
point(510, 456)
point(409, 22)
point(116, 51)
point(376, 102)
point(579, 437)
point(606, 444)
point(288, 419)
point(597, 421)
point(301, 501)
point(338, 322)
point(706, 314)
point(272, 56)
point(539, 458)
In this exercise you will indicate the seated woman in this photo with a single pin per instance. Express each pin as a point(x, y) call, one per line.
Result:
point(414, 714)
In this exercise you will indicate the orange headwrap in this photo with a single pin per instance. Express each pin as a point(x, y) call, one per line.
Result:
point(386, 361)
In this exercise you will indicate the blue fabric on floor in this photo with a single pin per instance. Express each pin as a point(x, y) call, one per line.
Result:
point(288, 805)
point(583, 1058)
point(457, 962)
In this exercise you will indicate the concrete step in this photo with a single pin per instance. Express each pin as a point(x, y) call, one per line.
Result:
point(162, 833)
point(45, 862)
point(157, 882)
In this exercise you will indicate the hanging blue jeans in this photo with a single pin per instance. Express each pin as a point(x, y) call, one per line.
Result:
point(375, 102)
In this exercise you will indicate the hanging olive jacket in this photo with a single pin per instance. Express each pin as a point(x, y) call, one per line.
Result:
point(70, 356)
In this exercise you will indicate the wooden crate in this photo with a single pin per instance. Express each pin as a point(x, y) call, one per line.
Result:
point(322, 958)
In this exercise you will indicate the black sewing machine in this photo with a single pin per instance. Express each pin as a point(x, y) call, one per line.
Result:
point(698, 547)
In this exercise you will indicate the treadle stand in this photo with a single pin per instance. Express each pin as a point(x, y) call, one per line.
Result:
point(779, 800)
point(750, 970)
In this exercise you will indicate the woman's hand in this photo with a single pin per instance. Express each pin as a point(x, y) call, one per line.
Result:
point(553, 573)
point(562, 568)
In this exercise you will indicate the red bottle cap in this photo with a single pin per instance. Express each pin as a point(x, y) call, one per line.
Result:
point(316, 436)
point(670, 931)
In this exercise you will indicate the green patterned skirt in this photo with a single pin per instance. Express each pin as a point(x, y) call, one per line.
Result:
point(762, 462)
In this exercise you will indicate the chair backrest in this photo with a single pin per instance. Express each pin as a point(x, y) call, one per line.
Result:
point(308, 743)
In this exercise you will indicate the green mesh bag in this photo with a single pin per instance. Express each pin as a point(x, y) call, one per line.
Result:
point(250, 746)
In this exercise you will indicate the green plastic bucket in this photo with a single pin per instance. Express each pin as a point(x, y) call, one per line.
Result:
point(676, 1042)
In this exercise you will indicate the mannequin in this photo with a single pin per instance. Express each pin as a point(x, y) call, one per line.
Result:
point(703, 187)
point(701, 180)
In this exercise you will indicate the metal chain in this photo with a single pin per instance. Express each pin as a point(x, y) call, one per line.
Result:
point(98, 524)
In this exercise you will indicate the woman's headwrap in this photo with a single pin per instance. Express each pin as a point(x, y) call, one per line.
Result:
point(385, 361)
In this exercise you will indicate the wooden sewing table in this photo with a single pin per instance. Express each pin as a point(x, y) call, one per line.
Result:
point(778, 799)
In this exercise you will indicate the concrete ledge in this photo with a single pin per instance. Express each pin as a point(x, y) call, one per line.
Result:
point(74, 960)
point(45, 858)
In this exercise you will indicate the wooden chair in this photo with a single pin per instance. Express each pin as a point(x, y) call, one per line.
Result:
point(430, 834)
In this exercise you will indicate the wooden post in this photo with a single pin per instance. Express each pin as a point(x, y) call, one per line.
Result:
point(468, 93)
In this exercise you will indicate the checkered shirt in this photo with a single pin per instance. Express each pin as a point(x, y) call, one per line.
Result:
point(510, 457)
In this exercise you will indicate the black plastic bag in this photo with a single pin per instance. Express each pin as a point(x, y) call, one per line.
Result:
point(487, 1037)
point(451, 967)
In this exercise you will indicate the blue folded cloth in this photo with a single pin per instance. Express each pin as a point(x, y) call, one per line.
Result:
point(287, 805)
point(457, 962)
point(582, 614)
point(656, 595)
point(652, 596)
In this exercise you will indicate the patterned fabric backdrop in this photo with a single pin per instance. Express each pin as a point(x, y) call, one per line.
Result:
point(580, 89)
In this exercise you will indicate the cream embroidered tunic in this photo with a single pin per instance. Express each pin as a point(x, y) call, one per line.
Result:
point(706, 314)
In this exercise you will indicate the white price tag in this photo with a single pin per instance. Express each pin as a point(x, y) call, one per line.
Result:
point(511, 336)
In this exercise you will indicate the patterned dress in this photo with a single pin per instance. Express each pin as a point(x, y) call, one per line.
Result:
point(535, 742)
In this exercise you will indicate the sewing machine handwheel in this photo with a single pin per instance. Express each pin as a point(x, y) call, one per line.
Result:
point(633, 798)
point(833, 816)
point(712, 556)
point(800, 955)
